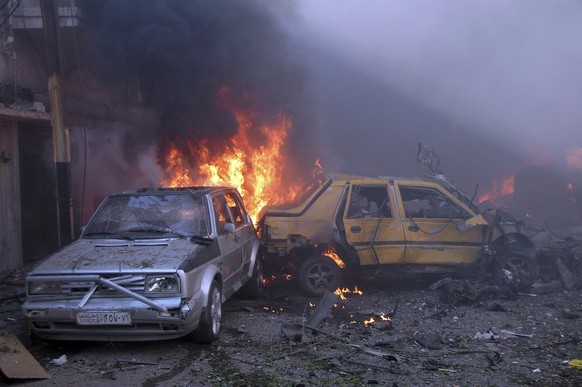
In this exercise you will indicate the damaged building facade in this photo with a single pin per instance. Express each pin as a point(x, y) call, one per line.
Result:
point(93, 113)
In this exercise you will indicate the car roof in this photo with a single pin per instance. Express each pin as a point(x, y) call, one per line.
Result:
point(195, 190)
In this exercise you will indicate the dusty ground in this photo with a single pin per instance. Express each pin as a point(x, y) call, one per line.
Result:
point(426, 342)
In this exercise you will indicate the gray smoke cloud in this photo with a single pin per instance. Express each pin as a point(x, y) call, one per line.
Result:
point(184, 52)
point(493, 86)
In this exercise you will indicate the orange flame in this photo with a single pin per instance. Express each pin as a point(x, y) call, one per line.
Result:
point(369, 322)
point(498, 189)
point(331, 253)
point(341, 292)
point(251, 161)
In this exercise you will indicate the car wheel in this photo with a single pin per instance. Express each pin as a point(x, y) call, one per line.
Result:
point(516, 270)
point(318, 275)
point(209, 326)
point(254, 287)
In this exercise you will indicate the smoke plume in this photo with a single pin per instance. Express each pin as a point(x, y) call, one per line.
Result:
point(184, 52)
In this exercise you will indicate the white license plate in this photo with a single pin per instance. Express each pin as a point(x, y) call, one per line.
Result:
point(104, 318)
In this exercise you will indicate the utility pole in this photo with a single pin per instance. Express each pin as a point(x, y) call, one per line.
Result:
point(60, 134)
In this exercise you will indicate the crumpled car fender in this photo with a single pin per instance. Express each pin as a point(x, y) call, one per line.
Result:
point(209, 273)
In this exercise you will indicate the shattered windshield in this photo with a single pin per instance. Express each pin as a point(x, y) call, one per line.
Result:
point(154, 215)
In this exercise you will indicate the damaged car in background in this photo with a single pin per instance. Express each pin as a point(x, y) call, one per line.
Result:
point(387, 225)
point(151, 264)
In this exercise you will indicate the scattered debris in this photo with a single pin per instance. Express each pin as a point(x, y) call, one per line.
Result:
point(485, 336)
point(546, 288)
point(565, 275)
point(456, 292)
point(576, 363)
point(429, 342)
point(59, 360)
point(323, 307)
point(505, 333)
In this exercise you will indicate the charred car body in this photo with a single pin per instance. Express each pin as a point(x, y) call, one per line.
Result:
point(389, 225)
point(151, 264)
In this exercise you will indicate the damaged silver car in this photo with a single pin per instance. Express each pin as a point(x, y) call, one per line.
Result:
point(151, 264)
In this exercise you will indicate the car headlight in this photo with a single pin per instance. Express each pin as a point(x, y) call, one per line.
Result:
point(162, 284)
point(44, 287)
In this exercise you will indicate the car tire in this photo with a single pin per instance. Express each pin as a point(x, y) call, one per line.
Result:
point(210, 320)
point(318, 275)
point(516, 270)
point(254, 287)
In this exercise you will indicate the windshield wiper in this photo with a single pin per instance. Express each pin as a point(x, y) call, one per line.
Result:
point(157, 230)
point(109, 234)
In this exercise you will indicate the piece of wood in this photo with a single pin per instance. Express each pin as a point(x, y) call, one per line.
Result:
point(15, 360)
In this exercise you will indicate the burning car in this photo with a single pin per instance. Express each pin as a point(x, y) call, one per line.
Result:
point(389, 225)
point(151, 264)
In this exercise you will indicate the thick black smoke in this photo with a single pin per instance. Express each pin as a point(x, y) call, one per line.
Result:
point(184, 52)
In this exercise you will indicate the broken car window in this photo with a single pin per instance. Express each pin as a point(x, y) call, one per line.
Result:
point(236, 209)
point(369, 202)
point(222, 214)
point(421, 202)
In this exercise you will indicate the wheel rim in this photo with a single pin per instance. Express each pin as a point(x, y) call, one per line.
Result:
point(321, 277)
point(515, 270)
point(260, 276)
point(260, 279)
point(215, 311)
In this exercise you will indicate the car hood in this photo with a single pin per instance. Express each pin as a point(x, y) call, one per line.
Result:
point(113, 255)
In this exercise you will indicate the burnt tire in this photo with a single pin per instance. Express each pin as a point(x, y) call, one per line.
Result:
point(254, 287)
point(318, 275)
point(516, 270)
point(210, 320)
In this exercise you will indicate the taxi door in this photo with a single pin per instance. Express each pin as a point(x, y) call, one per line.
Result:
point(369, 223)
point(431, 220)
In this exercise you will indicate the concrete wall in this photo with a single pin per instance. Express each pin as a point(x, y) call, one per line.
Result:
point(10, 220)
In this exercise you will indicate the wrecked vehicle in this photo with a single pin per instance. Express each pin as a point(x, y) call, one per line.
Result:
point(151, 264)
point(386, 225)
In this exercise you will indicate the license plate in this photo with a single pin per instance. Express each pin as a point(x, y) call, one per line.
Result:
point(104, 318)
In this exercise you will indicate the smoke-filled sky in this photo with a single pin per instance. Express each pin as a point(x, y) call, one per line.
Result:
point(492, 85)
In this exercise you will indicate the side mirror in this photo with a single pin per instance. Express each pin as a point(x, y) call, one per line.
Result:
point(477, 220)
point(229, 228)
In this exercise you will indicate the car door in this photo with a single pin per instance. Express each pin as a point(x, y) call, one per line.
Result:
point(244, 231)
point(229, 243)
point(369, 223)
point(431, 219)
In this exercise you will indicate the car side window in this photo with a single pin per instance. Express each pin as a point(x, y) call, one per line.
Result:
point(236, 209)
point(423, 202)
point(221, 213)
point(369, 202)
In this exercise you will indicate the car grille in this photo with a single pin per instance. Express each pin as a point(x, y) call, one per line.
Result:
point(134, 283)
point(73, 286)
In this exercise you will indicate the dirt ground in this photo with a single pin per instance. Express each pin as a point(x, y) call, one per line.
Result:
point(418, 338)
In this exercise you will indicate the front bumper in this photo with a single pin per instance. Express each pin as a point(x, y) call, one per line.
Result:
point(57, 319)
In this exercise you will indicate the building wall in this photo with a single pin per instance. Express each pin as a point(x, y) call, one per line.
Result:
point(10, 217)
